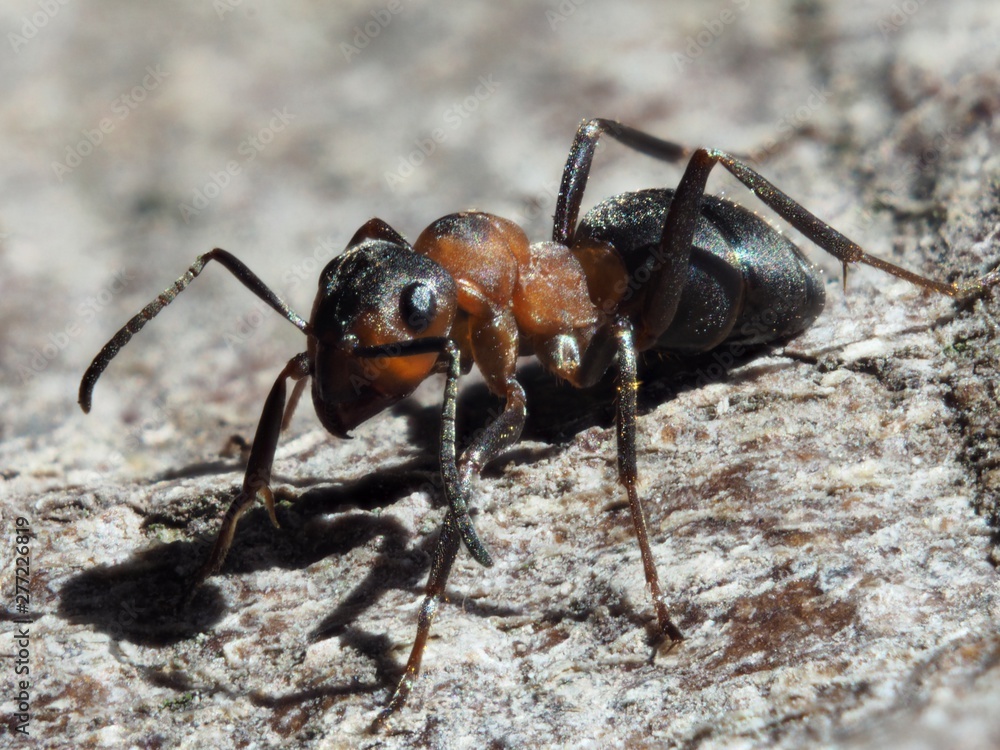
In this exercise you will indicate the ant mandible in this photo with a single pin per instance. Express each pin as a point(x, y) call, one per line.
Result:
point(671, 270)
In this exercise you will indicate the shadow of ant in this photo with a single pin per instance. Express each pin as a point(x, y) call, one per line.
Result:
point(137, 600)
point(558, 411)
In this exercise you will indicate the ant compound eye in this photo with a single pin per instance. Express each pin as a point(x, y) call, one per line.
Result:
point(417, 305)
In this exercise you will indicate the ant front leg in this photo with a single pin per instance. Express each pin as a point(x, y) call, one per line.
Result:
point(256, 481)
point(625, 417)
point(498, 436)
point(258, 472)
point(502, 433)
point(449, 542)
point(445, 553)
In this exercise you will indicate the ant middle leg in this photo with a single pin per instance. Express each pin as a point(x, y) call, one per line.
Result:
point(581, 156)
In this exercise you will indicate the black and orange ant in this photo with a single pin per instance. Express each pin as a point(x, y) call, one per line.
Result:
point(660, 269)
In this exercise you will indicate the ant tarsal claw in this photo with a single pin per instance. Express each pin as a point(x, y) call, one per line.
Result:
point(472, 543)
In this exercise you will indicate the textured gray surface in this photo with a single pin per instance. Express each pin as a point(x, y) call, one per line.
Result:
point(814, 512)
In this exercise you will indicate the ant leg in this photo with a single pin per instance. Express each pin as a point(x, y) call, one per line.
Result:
point(247, 277)
point(256, 481)
point(456, 489)
point(821, 233)
point(451, 532)
point(581, 155)
point(625, 417)
point(293, 401)
point(686, 205)
point(502, 433)
point(445, 552)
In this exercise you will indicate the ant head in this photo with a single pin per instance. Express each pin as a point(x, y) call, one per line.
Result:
point(378, 292)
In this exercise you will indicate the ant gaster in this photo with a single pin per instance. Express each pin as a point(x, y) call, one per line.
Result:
point(671, 270)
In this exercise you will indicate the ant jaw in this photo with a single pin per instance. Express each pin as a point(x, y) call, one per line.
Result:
point(345, 394)
point(339, 417)
point(348, 389)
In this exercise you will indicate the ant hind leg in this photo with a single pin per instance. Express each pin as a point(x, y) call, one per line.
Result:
point(686, 203)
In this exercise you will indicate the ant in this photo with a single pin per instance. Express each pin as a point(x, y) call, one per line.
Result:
point(669, 270)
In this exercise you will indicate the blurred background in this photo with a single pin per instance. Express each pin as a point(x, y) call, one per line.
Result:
point(138, 136)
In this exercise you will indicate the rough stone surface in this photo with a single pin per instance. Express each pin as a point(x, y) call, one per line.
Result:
point(821, 514)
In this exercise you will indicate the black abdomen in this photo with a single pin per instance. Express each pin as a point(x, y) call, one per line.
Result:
point(746, 283)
